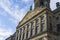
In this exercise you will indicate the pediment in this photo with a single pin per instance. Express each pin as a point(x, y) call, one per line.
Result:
point(30, 14)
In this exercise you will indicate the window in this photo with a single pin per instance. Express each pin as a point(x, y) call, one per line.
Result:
point(46, 4)
point(32, 24)
point(24, 27)
point(37, 25)
point(27, 26)
point(42, 18)
point(50, 28)
point(42, 27)
point(58, 28)
point(37, 21)
point(31, 32)
point(41, 3)
point(32, 28)
point(57, 18)
point(36, 30)
point(50, 18)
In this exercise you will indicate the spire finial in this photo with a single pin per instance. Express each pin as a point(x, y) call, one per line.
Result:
point(31, 7)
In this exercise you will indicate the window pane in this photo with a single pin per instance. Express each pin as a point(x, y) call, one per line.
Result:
point(58, 27)
point(24, 27)
point(50, 28)
point(37, 21)
point(42, 27)
point(32, 25)
point(50, 18)
point(42, 18)
point(36, 30)
point(31, 32)
point(37, 25)
point(57, 18)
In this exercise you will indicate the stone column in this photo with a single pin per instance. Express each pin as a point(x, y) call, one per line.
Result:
point(29, 30)
point(18, 34)
point(33, 27)
point(45, 38)
point(25, 32)
point(45, 22)
point(22, 34)
point(39, 25)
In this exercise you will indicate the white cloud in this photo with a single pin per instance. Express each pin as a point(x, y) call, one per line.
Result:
point(3, 13)
point(1, 38)
point(15, 13)
point(19, 14)
point(14, 21)
point(9, 11)
point(25, 0)
point(6, 2)
point(53, 4)
point(4, 33)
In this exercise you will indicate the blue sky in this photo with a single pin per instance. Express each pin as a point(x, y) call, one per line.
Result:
point(11, 12)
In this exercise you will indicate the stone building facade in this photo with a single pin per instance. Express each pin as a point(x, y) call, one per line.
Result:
point(44, 25)
point(40, 23)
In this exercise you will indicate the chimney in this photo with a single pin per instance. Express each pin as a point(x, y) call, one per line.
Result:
point(58, 4)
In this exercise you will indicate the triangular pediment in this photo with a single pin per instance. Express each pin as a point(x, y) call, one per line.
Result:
point(30, 14)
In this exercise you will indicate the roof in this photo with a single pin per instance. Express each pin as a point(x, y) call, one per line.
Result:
point(56, 10)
